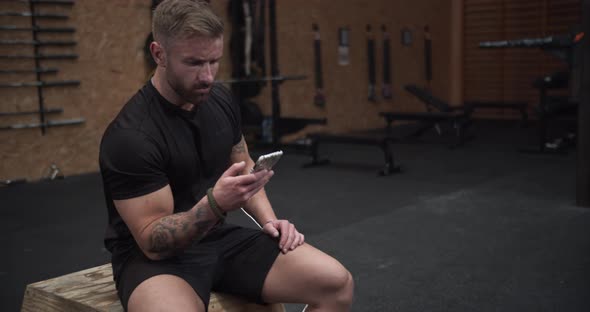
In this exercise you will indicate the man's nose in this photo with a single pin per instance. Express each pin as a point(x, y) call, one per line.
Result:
point(206, 73)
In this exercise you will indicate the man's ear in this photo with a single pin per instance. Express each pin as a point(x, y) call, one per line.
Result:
point(158, 53)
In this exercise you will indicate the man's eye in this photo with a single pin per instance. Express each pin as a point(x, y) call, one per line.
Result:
point(195, 63)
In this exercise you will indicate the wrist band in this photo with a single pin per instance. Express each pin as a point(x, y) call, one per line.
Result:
point(213, 204)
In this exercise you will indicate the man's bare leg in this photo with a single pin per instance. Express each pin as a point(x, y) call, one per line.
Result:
point(165, 293)
point(307, 275)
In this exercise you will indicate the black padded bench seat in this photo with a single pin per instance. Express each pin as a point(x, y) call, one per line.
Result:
point(373, 138)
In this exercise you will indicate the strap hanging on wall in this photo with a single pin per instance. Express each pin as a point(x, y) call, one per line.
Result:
point(427, 56)
point(319, 97)
point(372, 95)
point(386, 89)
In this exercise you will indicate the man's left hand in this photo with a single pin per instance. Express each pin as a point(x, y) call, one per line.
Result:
point(290, 238)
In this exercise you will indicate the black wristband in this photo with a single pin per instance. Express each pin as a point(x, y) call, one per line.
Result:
point(213, 204)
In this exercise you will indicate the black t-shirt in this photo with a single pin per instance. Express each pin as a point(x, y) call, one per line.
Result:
point(153, 143)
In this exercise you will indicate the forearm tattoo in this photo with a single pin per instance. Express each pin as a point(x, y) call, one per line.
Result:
point(174, 232)
point(240, 147)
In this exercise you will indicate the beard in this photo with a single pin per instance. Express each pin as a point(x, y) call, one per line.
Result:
point(192, 94)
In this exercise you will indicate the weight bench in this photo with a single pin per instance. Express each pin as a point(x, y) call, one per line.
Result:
point(459, 120)
point(383, 141)
point(93, 290)
point(468, 107)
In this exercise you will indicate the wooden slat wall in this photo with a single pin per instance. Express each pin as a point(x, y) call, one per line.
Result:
point(507, 74)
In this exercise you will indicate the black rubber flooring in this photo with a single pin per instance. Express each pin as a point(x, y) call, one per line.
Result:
point(478, 228)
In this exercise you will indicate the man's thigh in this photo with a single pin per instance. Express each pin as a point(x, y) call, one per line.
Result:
point(302, 275)
point(164, 293)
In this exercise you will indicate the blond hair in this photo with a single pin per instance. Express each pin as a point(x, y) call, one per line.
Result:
point(181, 19)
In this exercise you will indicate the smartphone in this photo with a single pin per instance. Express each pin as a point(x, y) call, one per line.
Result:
point(267, 161)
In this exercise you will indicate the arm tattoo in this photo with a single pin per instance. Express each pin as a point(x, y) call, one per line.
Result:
point(175, 232)
point(240, 147)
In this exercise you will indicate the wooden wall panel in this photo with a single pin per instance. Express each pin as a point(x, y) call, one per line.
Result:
point(110, 36)
point(507, 74)
point(111, 68)
point(347, 106)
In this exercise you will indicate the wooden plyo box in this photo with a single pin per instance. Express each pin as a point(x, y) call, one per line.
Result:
point(93, 290)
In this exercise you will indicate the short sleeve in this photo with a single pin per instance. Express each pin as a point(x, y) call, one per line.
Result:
point(232, 108)
point(131, 164)
point(237, 116)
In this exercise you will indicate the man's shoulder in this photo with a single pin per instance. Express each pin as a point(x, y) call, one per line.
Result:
point(221, 92)
point(135, 113)
point(134, 119)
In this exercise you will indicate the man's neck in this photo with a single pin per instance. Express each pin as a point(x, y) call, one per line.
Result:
point(163, 87)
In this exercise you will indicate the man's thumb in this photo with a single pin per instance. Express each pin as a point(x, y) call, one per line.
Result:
point(235, 169)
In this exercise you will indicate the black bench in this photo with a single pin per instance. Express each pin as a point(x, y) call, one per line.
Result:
point(382, 140)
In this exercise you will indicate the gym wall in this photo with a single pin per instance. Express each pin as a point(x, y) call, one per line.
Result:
point(507, 74)
point(110, 36)
point(110, 67)
point(346, 87)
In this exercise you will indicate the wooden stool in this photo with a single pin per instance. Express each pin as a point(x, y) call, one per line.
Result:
point(94, 290)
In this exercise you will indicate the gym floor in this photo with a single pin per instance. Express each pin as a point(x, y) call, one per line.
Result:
point(478, 228)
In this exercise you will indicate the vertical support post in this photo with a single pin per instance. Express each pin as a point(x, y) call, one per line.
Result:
point(583, 163)
point(456, 61)
point(37, 66)
point(274, 71)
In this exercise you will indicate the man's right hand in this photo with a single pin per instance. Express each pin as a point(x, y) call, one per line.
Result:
point(233, 189)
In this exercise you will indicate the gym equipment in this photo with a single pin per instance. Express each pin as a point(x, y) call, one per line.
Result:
point(42, 56)
point(47, 111)
point(434, 103)
point(459, 121)
point(427, 55)
point(37, 29)
point(36, 15)
point(386, 89)
point(49, 123)
point(263, 79)
point(56, 2)
point(551, 107)
point(460, 115)
point(372, 96)
point(26, 71)
point(437, 112)
point(319, 98)
point(11, 182)
point(381, 140)
point(249, 69)
point(53, 173)
point(253, 112)
point(583, 76)
point(94, 289)
point(247, 46)
point(37, 43)
point(289, 124)
point(40, 84)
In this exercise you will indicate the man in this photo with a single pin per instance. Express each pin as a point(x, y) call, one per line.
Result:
point(173, 163)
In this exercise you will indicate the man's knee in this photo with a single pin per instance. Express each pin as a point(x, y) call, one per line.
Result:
point(338, 284)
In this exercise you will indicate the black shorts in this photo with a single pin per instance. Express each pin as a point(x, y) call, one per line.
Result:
point(230, 259)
